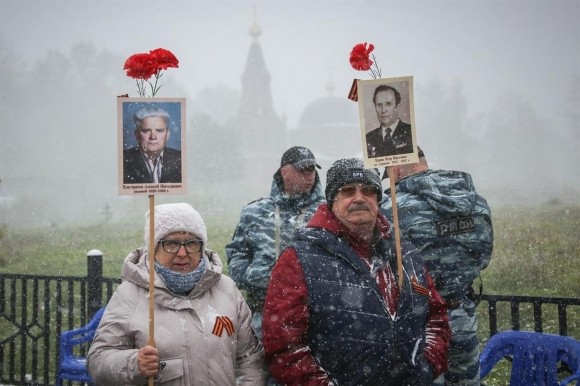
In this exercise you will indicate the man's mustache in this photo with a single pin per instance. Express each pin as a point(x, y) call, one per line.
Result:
point(358, 206)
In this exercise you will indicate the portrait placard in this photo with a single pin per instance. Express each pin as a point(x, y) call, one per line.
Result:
point(387, 121)
point(151, 146)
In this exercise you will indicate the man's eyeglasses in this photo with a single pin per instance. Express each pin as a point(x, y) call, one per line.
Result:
point(173, 246)
point(366, 190)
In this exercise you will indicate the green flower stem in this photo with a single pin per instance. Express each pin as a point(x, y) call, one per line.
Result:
point(154, 88)
point(375, 73)
point(140, 87)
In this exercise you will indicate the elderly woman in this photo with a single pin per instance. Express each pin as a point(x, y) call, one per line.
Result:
point(202, 323)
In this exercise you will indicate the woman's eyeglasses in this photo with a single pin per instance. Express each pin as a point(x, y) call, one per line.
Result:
point(173, 246)
point(366, 190)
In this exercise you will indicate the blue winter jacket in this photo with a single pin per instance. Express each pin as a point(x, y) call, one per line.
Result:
point(351, 332)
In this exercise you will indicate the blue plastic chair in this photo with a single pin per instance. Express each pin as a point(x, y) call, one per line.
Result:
point(71, 367)
point(535, 357)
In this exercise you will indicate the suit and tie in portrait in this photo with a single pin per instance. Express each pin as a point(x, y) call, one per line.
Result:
point(136, 170)
point(390, 143)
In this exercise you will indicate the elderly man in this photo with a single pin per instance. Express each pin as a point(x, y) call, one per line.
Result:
point(266, 225)
point(151, 161)
point(450, 224)
point(334, 313)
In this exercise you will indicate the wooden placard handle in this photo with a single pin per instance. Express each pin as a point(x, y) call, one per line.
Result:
point(151, 340)
point(396, 226)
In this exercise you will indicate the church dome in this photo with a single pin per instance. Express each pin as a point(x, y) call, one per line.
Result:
point(329, 112)
point(330, 127)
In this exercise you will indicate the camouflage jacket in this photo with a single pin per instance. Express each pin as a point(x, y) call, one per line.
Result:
point(449, 223)
point(265, 229)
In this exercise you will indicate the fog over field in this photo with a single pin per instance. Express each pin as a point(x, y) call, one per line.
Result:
point(497, 93)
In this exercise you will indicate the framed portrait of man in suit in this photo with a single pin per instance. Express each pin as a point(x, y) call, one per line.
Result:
point(151, 146)
point(387, 121)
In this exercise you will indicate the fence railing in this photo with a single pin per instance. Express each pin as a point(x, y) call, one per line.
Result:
point(35, 309)
point(537, 303)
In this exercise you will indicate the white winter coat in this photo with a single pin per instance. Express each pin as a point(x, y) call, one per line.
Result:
point(192, 333)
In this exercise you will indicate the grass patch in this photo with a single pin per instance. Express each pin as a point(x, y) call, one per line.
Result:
point(63, 251)
point(536, 252)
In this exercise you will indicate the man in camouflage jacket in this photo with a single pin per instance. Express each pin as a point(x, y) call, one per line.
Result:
point(450, 224)
point(266, 226)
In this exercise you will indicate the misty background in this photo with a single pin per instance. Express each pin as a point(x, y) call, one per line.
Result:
point(497, 94)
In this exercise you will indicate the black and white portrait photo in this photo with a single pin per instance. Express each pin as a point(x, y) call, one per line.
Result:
point(387, 120)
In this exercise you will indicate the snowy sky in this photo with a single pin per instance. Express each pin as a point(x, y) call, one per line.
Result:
point(523, 50)
point(492, 47)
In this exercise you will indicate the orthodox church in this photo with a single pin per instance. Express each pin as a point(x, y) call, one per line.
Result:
point(261, 132)
point(329, 126)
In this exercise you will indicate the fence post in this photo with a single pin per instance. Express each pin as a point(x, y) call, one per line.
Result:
point(94, 281)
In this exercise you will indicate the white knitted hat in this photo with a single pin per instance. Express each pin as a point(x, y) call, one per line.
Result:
point(179, 217)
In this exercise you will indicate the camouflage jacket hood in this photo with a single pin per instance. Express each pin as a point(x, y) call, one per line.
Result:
point(447, 192)
point(283, 200)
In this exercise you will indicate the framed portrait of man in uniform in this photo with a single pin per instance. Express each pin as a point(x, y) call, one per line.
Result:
point(151, 146)
point(387, 121)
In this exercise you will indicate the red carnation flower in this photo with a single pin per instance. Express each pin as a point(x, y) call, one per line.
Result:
point(143, 66)
point(139, 66)
point(359, 57)
point(164, 59)
point(360, 60)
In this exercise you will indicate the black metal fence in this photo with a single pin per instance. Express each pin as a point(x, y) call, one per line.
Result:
point(35, 309)
point(539, 306)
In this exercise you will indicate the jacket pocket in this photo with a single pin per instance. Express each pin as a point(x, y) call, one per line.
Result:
point(173, 369)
